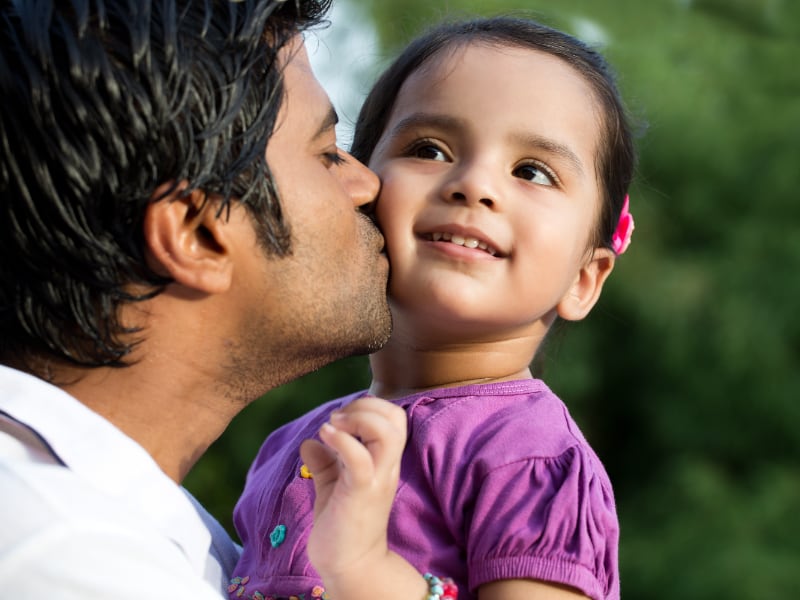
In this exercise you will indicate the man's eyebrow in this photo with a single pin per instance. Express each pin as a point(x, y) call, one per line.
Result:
point(551, 147)
point(328, 123)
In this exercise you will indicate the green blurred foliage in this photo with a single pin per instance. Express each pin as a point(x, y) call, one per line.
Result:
point(685, 377)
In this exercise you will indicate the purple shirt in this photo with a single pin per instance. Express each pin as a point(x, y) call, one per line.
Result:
point(497, 482)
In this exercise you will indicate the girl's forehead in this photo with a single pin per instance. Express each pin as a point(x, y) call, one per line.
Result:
point(488, 67)
point(451, 55)
point(505, 86)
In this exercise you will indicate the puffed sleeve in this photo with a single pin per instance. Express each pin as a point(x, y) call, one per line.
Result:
point(550, 519)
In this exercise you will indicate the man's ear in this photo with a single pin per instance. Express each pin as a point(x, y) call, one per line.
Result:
point(585, 290)
point(187, 240)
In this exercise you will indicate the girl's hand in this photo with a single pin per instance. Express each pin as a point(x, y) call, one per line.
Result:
point(355, 471)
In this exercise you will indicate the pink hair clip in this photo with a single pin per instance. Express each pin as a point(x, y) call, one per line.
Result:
point(622, 236)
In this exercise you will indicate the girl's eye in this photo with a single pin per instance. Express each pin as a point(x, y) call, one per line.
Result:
point(428, 152)
point(535, 174)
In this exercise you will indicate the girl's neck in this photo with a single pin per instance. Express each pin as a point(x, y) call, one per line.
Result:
point(402, 367)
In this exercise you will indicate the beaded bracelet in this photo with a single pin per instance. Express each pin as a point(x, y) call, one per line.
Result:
point(440, 589)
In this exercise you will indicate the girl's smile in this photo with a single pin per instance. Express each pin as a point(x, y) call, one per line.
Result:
point(458, 241)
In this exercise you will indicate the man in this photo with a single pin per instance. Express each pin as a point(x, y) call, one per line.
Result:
point(157, 274)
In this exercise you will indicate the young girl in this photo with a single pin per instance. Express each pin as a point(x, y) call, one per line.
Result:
point(505, 158)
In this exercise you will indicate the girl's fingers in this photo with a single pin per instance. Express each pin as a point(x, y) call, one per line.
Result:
point(363, 440)
point(358, 464)
point(367, 437)
point(392, 413)
point(382, 435)
point(375, 416)
point(319, 459)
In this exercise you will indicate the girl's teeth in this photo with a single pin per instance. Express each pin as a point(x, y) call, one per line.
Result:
point(467, 242)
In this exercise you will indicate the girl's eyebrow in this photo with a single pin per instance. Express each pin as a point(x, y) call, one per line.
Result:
point(550, 146)
point(423, 119)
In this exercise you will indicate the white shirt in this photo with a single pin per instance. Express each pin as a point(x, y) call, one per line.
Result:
point(85, 512)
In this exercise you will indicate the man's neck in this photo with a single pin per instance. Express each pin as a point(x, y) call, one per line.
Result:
point(175, 421)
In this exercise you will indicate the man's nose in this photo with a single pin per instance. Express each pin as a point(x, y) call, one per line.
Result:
point(361, 183)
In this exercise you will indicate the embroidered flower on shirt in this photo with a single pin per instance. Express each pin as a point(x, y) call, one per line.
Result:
point(237, 586)
point(237, 589)
point(277, 536)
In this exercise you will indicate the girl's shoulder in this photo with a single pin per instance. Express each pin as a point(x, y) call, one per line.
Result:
point(522, 419)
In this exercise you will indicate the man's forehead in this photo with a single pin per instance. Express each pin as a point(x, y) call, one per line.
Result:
point(294, 54)
point(304, 93)
point(306, 113)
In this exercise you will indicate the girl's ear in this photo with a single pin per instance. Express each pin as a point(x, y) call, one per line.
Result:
point(188, 242)
point(585, 290)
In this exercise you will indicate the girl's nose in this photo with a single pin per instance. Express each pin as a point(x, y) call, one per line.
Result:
point(471, 184)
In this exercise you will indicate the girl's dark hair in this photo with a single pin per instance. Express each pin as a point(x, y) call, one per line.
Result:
point(616, 155)
point(104, 101)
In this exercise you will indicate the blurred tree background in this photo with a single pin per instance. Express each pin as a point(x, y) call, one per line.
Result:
point(685, 377)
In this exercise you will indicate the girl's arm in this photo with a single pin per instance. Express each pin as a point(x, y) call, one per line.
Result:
point(355, 470)
point(527, 589)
